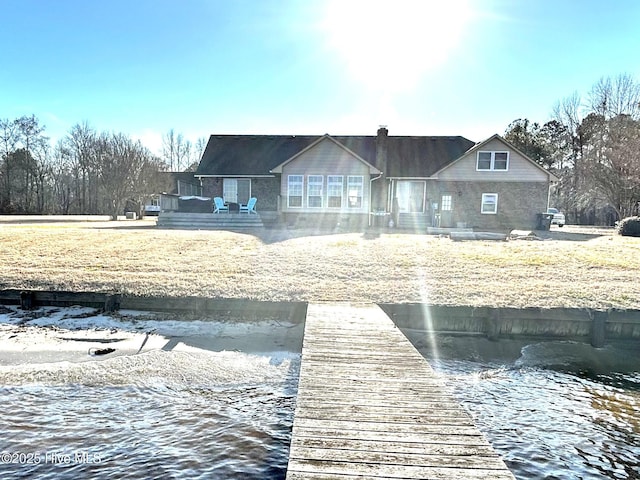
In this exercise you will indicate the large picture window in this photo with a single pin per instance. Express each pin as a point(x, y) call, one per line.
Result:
point(314, 191)
point(334, 191)
point(294, 190)
point(355, 191)
point(489, 203)
point(493, 161)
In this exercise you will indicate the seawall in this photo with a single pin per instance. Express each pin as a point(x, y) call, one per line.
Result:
point(593, 326)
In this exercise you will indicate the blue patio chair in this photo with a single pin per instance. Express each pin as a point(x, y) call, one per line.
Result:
point(250, 207)
point(219, 206)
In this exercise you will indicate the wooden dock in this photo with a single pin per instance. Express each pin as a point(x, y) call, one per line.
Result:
point(370, 406)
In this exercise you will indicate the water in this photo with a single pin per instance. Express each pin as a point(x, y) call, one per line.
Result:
point(159, 414)
point(553, 410)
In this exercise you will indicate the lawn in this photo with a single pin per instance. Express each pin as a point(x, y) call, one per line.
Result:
point(571, 268)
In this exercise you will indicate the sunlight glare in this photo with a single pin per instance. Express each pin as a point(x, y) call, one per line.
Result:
point(391, 45)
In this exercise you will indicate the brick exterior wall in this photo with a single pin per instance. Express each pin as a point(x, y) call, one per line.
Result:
point(267, 191)
point(212, 187)
point(518, 204)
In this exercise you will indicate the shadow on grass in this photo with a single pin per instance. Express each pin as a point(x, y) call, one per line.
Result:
point(576, 234)
point(277, 234)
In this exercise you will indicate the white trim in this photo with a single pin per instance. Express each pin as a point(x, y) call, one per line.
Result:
point(448, 205)
point(492, 161)
point(361, 184)
point(482, 204)
point(410, 178)
point(231, 176)
point(315, 184)
point(301, 183)
point(329, 184)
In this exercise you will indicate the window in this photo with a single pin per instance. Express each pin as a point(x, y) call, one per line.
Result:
point(334, 191)
point(500, 160)
point(489, 203)
point(446, 203)
point(294, 190)
point(314, 191)
point(493, 161)
point(355, 190)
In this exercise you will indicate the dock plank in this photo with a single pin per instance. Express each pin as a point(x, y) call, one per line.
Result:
point(370, 406)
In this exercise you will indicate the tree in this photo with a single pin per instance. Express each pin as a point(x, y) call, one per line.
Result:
point(126, 171)
point(618, 96)
point(62, 180)
point(614, 162)
point(8, 145)
point(176, 151)
point(597, 146)
point(23, 163)
point(79, 148)
point(547, 145)
point(527, 137)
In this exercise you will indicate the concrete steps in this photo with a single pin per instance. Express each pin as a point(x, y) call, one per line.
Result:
point(414, 221)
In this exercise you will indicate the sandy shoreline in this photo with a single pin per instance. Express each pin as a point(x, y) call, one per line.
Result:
point(80, 334)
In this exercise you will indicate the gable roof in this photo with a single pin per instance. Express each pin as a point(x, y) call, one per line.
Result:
point(495, 136)
point(258, 155)
point(372, 169)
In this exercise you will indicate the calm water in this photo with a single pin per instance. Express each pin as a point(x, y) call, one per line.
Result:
point(164, 415)
point(553, 410)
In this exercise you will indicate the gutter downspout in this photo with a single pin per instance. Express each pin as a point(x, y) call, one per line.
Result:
point(370, 190)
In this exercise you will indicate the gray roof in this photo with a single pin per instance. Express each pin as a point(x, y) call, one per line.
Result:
point(253, 155)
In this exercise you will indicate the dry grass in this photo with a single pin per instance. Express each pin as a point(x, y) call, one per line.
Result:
point(570, 269)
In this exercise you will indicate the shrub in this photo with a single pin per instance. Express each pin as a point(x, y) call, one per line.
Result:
point(629, 227)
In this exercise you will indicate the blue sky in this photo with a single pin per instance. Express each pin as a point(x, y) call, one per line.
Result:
point(465, 67)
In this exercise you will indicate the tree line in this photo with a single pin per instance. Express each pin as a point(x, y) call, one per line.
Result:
point(592, 145)
point(86, 172)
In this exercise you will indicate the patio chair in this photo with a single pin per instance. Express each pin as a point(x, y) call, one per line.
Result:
point(219, 206)
point(250, 207)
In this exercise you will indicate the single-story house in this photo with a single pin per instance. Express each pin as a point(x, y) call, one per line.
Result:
point(407, 180)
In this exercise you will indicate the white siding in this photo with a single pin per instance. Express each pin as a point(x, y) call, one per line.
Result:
point(520, 169)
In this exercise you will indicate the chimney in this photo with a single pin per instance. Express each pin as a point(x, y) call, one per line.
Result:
point(379, 192)
point(381, 149)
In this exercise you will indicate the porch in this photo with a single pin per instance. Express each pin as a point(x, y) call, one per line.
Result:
point(215, 221)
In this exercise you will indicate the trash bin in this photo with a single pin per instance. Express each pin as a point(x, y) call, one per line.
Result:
point(544, 221)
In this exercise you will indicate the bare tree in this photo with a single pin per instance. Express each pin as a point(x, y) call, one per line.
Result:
point(62, 180)
point(176, 151)
point(569, 113)
point(618, 96)
point(8, 145)
point(126, 170)
point(23, 159)
point(79, 148)
point(613, 162)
